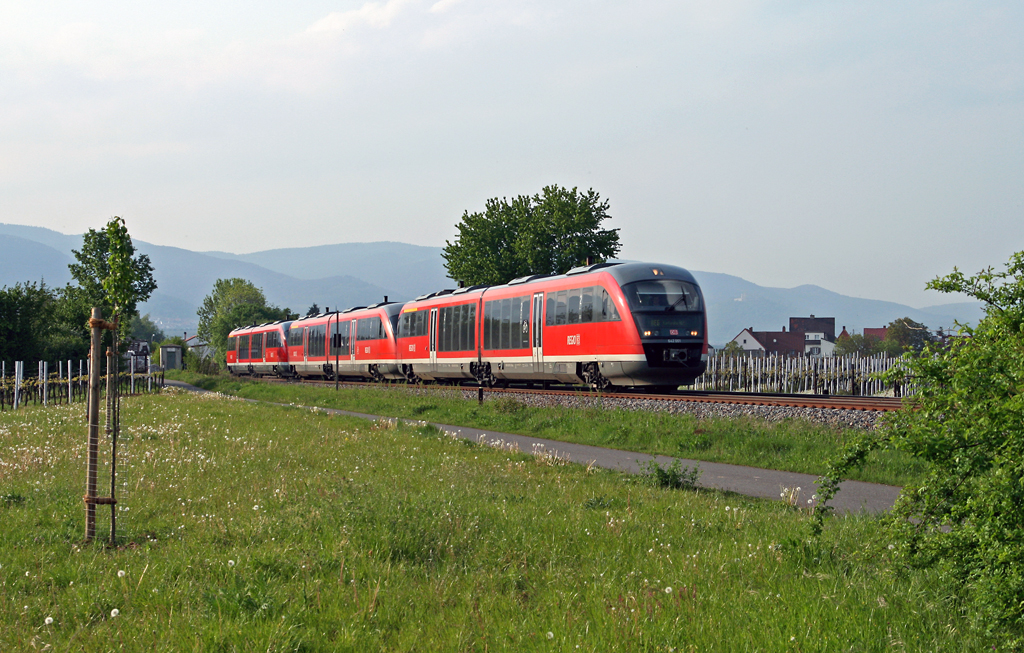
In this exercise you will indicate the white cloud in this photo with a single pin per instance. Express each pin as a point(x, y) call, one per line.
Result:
point(443, 5)
point(373, 14)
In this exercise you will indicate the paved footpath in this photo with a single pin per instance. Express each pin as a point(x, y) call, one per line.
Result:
point(853, 496)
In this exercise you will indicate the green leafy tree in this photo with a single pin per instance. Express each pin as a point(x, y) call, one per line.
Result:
point(966, 518)
point(68, 336)
point(111, 275)
point(905, 335)
point(732, 348)
point(549, 233)
point(144, 328)
point(25, 311)
point(231, 304)
point(857, 344)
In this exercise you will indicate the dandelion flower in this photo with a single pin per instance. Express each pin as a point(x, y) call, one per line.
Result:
point(49, 620)
point(810, 501)
point(120, 573)
point(115, 612)
point(727, 508)
point(668, 590)
point(231, 563)
point(551, 635)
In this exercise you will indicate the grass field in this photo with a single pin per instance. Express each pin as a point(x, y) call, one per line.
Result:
point(249, 527)
point(792, 445)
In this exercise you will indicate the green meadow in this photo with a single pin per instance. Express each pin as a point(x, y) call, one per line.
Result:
point(794, 445)
point(248, 527)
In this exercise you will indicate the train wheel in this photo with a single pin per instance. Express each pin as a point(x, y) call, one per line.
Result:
point(591, 374)
point(410, 376)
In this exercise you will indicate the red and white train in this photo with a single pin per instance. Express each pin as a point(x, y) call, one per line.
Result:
point(622, 324)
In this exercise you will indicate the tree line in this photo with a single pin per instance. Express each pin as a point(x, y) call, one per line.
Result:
point(39, 322)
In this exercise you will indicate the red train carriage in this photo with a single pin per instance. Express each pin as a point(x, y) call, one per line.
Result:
point(358, 342)
point(259, 350)
point(628, 324)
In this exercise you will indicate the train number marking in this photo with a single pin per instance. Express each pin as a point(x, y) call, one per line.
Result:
point(367, 350)
point(412, 347)
point(573, 340)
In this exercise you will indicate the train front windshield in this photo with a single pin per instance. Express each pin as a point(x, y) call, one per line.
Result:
point(665, 308)
point(662, 295)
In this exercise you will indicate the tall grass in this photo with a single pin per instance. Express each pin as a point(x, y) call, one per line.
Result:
point(794, 445)
point(250, 527)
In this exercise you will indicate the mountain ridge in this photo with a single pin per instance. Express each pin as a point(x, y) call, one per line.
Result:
point(347, 274)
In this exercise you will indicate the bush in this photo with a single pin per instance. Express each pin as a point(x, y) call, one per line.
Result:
point(675, 476)
point(966, 422)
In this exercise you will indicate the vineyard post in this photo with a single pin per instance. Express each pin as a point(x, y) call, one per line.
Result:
point(18, 371)
point(113, 392)
point(46, 383)
point(93, 412)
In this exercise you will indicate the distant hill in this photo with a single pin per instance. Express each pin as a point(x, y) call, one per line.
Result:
point(350, 274)
point(734, 304)
point(406, 270)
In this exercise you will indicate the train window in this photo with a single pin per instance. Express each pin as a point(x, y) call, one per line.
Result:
point(506, 317)
point(491, 323)
point(524, 322)
point(457, 320)
point(587, 305)
point(608, 311)
point(243, 347)
point(667, 294)
point(464, 333)
point(560, 307)
point(256, 346)
point(316, 340)
point(340, 338)
point(513, 323)
point(273, 340)
point(446, 327)
point(370, 328)
point(471, 327)
point(549, 316)
point(573, 302)
point(233, 343)
point(295, 337)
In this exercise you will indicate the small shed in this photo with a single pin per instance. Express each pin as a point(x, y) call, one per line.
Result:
point(170, 357)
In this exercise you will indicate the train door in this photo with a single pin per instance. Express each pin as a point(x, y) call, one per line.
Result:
point(305, 345)
point(433, 339)
point(353, 341)
point(537, 337)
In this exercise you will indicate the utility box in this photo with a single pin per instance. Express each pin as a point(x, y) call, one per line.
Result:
point(170, 357)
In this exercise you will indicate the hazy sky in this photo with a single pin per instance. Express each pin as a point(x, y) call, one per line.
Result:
point(861, 146)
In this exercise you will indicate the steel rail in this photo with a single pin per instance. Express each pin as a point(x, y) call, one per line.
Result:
point(828, 402)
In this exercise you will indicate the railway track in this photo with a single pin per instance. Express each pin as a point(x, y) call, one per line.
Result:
point(833, 402)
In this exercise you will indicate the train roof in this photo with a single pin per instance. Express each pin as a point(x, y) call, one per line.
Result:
point(250, 327)
point(623, 273)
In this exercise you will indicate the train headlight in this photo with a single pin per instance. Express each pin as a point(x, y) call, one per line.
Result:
point(647, 333)
point(694, 333)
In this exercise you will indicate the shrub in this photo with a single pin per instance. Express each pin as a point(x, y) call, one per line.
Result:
point(966, 422)
point(676, 475)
